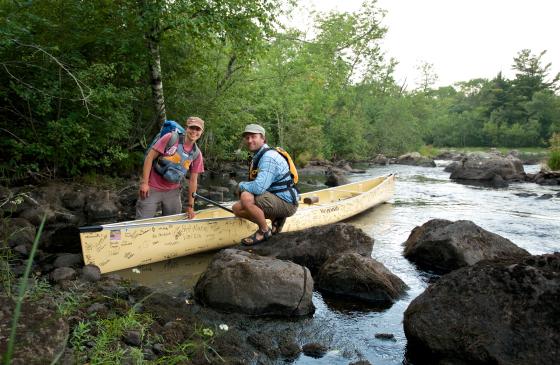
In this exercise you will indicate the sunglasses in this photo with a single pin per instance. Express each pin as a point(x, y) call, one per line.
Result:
point(194, 128)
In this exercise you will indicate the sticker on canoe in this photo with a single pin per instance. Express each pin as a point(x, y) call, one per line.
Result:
point(115, 235)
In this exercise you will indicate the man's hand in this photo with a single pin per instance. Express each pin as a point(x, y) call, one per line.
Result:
point(144, 191)
point(190, 212)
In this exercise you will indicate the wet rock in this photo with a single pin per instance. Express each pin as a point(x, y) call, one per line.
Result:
point(221, 189)
point(158, 348)
point(263, 343)
point(91, 273)
point(315, 350)
point(385, 336)
point(217, 196)
point(238, 281)
point(452, 166)
point(41, 333)
point(149, 354)
point(360, 362)
point(97, 308)
point(312, 247)
point(132, 338)
point(68, 260)
point(360, 277)
point(545, 177)
point(440, 245)
point(112, 288)
point(100, 206)
point(62, 274)
point(525, 195)
point(448, 155)
point(18, 231)
point(336, 179)
point(289, 349)
point(73, 200)
point(484, 167)
point(415, 159)
point(380, 160)
point(24, 249)
point(173, 332)
point(545, 197)
point(63, 238)
point(35, 215)
point(498, 182)
point(495, 312)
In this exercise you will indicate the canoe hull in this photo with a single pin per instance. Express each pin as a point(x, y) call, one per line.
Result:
point(122, 245)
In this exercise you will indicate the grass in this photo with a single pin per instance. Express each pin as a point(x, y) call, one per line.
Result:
point(21, 294)
point(107, 349)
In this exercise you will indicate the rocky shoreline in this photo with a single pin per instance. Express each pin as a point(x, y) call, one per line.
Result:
point(67, 298)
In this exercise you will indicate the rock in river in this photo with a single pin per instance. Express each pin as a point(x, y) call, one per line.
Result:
point(484, 167)
point(354, 276)
point(495, 312)
point(440, 245)
point(239, 281)
point(312, 247)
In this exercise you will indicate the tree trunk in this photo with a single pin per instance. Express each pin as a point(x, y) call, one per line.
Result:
point(155, 77)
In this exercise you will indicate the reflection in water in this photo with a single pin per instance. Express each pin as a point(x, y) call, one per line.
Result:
point(421, 194)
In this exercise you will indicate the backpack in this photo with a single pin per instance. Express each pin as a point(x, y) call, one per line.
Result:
point(167, 127)
point(280, 185)
point(173, 167)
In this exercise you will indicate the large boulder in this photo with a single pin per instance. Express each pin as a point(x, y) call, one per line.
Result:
point(440, 245)
point(335, 178)
point(483, 167)
point(239, 281)
point(415, 159)
point(41, 334)
point(495, 312)
point(101, 206)
point(312, 247)
point(355, 276)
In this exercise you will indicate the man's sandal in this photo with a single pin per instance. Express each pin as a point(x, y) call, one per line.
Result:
point(278, 224)
point(253, 240)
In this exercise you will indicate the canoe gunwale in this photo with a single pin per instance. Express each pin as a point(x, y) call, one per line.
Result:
point(308, 208)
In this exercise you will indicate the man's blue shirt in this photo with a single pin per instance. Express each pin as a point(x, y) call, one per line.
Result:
point(272, 166)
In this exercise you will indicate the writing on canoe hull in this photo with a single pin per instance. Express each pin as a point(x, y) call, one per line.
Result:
point(330, 209)
point(116, 248)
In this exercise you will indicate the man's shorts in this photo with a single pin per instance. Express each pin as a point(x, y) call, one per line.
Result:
point(273, 206)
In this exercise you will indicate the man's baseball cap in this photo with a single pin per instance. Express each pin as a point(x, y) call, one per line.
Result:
point(254, 128)
point(195, 121)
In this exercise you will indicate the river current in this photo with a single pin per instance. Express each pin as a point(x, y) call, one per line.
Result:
point(517, 213)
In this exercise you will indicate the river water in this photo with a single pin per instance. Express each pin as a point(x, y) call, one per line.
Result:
point(421, 194)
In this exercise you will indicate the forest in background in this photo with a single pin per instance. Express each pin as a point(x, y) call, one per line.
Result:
point(85, 84)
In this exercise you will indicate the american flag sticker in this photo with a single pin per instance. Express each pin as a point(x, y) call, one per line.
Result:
point(115, 235)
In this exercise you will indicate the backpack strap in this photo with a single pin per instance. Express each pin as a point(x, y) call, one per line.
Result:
point(287, 185)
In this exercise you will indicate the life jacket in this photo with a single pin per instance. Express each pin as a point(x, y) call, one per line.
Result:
point(174, 164)
point(286, 182)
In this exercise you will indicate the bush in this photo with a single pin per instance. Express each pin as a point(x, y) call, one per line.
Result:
point(429, 151)
point(554, 160)
point(554, 157)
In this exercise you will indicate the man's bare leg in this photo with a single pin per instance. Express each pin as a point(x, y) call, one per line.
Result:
point(246, 208)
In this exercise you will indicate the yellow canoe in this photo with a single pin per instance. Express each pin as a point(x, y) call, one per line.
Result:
point(122, 245)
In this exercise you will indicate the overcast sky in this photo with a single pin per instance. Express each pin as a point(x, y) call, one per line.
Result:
point(463, 39)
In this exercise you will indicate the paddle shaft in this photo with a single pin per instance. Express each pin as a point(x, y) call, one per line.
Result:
point(195, 195)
